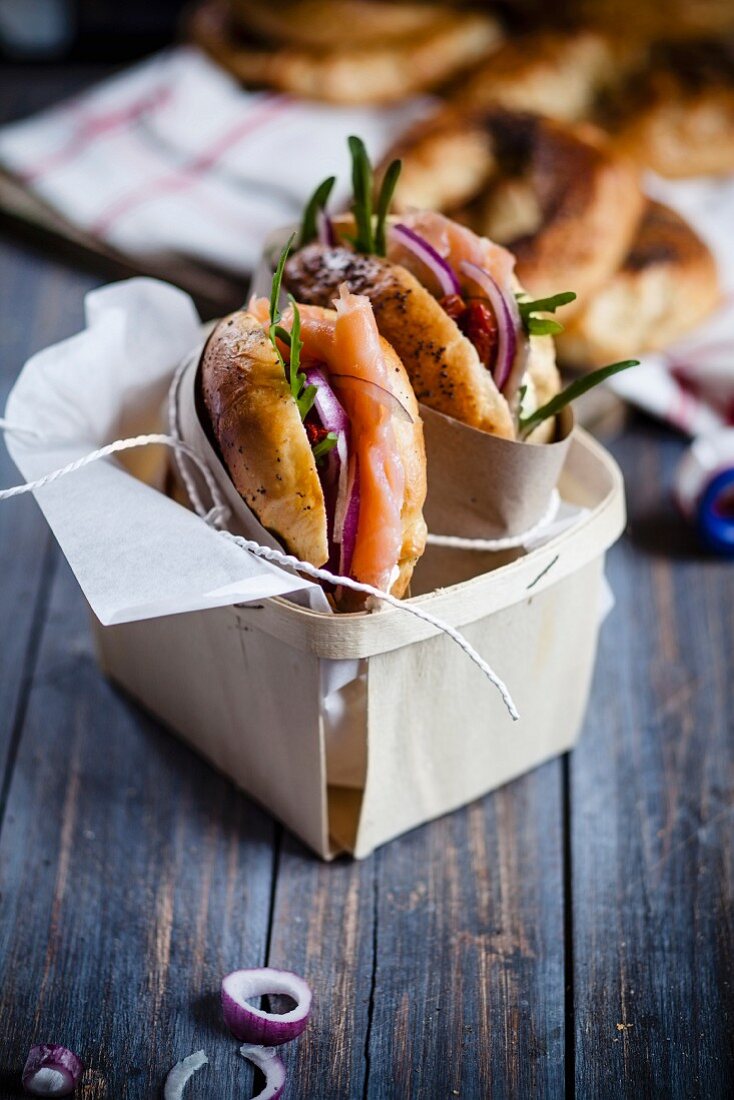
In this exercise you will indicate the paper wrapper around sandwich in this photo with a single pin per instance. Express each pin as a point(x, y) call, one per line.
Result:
point(484, 487)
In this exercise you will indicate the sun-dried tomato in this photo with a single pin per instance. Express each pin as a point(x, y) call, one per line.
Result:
point(478, 323)
point(315, 431)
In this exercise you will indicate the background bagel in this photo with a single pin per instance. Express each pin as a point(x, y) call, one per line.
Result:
point(379, 72)
point(558, 197)
point(666, 285)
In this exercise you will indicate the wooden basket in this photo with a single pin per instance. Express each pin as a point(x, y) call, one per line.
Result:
point(352, 729)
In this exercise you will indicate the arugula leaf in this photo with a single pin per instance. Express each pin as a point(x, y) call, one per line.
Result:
point(546, 305)
point(276, 283)
point(317, 202)
point(571, 392)
point(324, 445)
point(383, 205)
point(543, 326)
point(362, 192)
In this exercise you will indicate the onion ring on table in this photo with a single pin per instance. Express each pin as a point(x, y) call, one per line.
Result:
point(557, 197)
point(381, 73)
point(666, 285)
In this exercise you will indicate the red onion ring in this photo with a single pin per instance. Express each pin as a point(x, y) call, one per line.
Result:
point(377, 393)
point(350, 523)
point(428, 255)
point(268, 1062)
point(51, 1070)
point(507, 328)
point(254, 1025)
point(327, 404)
point(325, 229)
point(180, 1073)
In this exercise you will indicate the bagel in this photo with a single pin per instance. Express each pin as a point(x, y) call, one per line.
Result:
point(329, 24)
point(379, 480)
point(380, 72)
point(677, 117)
point(666, 285)
point(444, 365)
point(557, 197)
point(559, 74)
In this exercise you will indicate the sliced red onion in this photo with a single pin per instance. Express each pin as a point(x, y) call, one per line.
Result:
point(507, 323)
point(351, 522)
point(377, 393)
point(327, 404)
point(268, 1062)
point(51, 1070)
point(179, 1075)
point(428, 255)
point(254, 1025)
point(342, 492)
point(325, 229)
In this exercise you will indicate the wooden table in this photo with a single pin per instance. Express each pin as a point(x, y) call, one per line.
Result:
point(570, 935)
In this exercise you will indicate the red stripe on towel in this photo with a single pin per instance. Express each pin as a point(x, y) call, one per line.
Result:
point(186, 176)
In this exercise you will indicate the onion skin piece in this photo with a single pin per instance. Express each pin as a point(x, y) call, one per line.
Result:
point(180, 1073)
point(268, 1062)
point(51, 1070)
point(253, 1025)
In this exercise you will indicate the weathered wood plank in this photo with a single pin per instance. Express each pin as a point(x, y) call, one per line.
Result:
point(39, 303)
point(469, 983)
point(132, 877)
point(323, 928)
point(652, 809)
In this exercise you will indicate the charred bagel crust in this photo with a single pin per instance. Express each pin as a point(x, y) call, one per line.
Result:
point(556, 196)
point(667, 284)
point(260, 435)
point(442, 364)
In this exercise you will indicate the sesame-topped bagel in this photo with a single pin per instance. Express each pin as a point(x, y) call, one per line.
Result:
point(556, 196)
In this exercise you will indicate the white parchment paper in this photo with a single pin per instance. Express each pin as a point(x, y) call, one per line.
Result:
point(135, 553)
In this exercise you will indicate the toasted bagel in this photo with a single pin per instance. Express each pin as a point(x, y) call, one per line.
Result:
point(559, 74)
point(677, 116)
point(666, 285)
point(382, 72)
point(443, 365)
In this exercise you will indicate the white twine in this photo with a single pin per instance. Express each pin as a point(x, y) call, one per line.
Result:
point(217, 515)
point(509, 542)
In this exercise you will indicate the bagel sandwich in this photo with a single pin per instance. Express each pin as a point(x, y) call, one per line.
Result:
point(475, 346)
point(447, 301)
point(314, 418)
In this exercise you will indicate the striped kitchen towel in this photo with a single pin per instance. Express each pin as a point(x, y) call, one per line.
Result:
point(173, 158)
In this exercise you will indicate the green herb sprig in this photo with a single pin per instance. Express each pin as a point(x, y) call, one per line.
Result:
point(317, 202)
point(526, 424)
point(371, 229)
point(303, 394)
point(543, 326)
point(322, 448)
